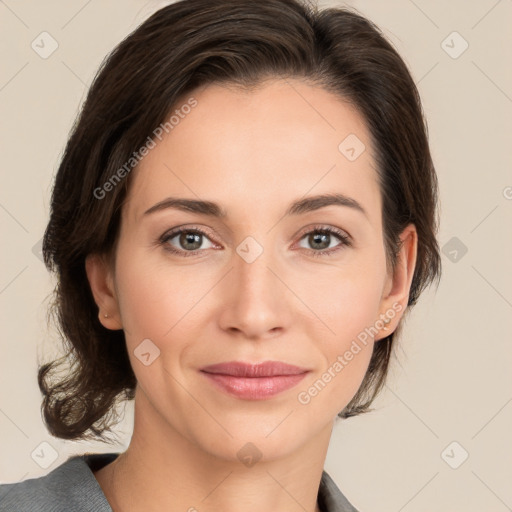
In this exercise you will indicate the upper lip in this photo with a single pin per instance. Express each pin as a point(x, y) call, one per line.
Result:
point(264, 369)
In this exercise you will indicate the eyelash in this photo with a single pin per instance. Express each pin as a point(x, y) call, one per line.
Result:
point(344, 239)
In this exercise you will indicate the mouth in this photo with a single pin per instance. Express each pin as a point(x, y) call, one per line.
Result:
point(250, 381)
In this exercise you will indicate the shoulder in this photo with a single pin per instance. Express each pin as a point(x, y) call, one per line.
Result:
point(330, 498)
point(70, 486)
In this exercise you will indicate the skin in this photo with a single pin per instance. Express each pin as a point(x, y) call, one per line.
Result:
point(253, 153)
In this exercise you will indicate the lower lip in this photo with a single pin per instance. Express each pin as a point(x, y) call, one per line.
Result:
point(254, 388)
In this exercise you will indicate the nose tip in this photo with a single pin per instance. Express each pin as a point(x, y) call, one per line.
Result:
point(253, 303)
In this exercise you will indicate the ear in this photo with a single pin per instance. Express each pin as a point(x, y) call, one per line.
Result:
point(397, 287)
point(101, 281)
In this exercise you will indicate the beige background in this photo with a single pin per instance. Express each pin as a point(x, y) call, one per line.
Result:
point(453, 379)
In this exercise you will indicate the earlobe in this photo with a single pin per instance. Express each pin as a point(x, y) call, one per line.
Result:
point(99, 275)
point(396, 296)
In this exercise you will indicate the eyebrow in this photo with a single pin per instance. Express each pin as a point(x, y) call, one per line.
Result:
point(300, 206)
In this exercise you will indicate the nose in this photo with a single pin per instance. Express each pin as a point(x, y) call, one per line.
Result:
point(256, 303)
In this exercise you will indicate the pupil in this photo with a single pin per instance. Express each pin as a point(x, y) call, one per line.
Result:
point(323, 238)
point(191, 238)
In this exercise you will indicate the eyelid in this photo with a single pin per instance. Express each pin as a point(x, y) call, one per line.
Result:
point(344, 238)
point(328, 228)
point(177, 230)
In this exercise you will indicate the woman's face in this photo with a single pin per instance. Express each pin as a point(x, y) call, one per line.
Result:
point(265, 282)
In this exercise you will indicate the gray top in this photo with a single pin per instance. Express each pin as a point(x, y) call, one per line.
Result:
point(72, 487)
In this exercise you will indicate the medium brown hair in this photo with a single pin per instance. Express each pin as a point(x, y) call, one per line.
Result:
point(193, 43)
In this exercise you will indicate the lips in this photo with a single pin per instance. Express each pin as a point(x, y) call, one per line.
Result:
point(254, 370)
point(254, 381)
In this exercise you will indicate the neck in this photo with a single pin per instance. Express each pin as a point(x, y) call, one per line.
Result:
point(177, 475)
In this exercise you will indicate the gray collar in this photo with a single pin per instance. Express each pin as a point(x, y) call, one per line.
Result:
point(330, 498)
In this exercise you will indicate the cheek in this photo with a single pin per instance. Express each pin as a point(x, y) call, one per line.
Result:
point(345, 349)
point(347, 303)
point(153, 295)
point(330, 391)
point(345, 300)
point(156, 303)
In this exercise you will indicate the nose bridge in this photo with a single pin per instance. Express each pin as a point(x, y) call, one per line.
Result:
point(256, 303)
point(252, 269)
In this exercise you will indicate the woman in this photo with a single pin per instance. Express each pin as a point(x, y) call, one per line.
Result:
point(245, 211)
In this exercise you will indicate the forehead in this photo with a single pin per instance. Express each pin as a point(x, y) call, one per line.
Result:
point(259, 149)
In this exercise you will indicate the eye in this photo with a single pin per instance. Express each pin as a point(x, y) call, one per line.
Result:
point(189, 241)
point(321, 237)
